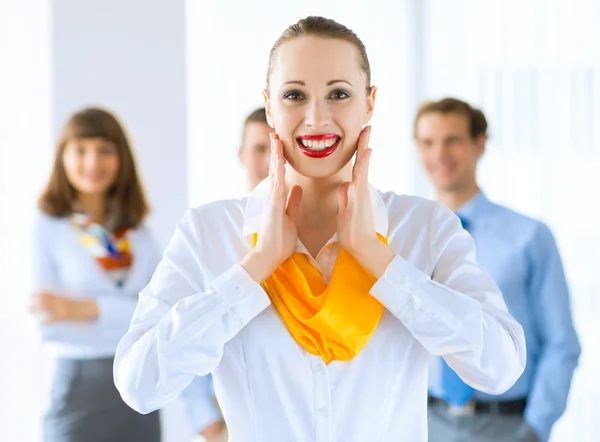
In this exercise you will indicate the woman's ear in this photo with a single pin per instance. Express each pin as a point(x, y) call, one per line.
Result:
point(370, 104)
point(268, 108)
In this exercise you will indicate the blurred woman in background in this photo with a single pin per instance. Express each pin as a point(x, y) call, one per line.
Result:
point(92, 256)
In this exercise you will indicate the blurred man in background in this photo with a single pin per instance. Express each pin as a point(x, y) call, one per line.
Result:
point(522, 256)
point(255, 151)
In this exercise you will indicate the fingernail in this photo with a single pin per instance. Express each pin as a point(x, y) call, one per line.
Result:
point(271, 136)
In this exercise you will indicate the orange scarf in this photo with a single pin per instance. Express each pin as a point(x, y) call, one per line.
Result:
point(333, 321)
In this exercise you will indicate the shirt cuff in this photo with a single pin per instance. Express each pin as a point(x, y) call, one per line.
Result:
point(234, 299)
point(246, 298)
point(398, 284)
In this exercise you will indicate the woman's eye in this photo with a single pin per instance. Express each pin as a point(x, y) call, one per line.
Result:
point(293, 95)
point(339, 94)
point(107, 150)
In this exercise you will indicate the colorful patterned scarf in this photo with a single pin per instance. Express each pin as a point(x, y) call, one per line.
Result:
point(111, 250)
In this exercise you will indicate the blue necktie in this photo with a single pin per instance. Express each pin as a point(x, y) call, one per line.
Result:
point(456, 392)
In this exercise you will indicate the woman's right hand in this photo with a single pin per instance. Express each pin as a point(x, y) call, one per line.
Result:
point(279, 234)
point(56, 308)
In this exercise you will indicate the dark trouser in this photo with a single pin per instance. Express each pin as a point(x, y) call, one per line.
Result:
point(85, 406)
point(445, 426)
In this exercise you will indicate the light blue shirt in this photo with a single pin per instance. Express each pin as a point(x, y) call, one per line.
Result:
point(200, 403)
point(62, 265)
point(521, 255)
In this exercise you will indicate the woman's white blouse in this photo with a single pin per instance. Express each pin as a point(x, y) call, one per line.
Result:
point(203, 313)
point(62, 265)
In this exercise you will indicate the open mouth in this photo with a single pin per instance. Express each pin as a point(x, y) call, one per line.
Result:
point(318, 146)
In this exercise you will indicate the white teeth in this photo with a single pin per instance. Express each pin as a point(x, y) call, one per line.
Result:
point(318, 145)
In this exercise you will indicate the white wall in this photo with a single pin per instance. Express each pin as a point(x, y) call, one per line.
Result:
point(130, 57)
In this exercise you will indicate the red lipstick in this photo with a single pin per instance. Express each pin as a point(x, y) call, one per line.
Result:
point(318, 153)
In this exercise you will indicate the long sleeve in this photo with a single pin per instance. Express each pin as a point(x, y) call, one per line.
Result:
point(182, 322)
point(200, 403)
point(457, 312)
point(558, 340)
point(43, 269)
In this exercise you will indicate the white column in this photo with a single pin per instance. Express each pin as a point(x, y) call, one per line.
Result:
point(24, 151)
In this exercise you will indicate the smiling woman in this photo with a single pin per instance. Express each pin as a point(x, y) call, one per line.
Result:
point(316, 289)
point(92, 255)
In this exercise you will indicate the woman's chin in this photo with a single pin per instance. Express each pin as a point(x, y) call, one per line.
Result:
point(319, 168)
point(317, 171)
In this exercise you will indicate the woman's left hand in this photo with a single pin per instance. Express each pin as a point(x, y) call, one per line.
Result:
point(57, 308)
point(355, 225)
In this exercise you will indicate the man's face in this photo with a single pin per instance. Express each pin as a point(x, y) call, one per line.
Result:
point(256, 150)
point(447, 150)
